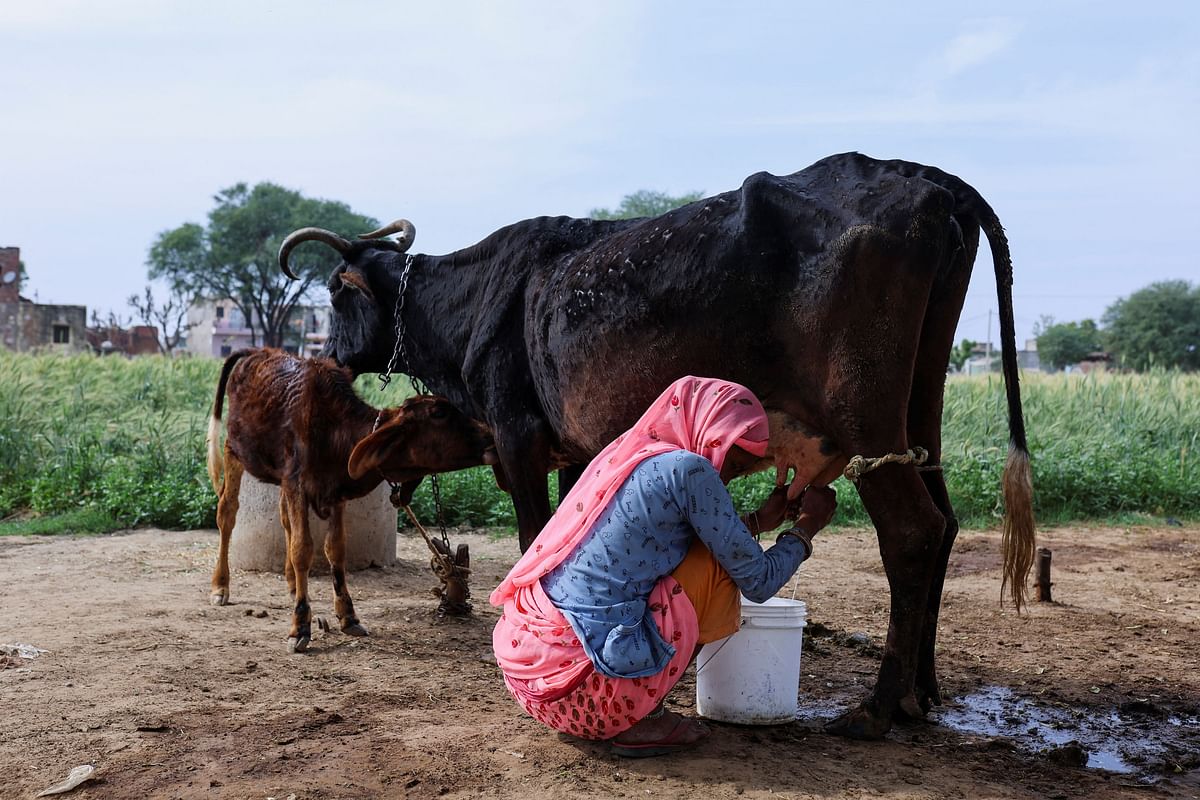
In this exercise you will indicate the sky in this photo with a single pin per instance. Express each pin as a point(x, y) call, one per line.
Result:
point(1079, 122)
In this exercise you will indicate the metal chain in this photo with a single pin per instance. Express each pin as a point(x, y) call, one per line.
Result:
point(400, 359)
point(399, 352)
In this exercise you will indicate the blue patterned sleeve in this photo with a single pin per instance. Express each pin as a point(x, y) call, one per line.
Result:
point(709, 509)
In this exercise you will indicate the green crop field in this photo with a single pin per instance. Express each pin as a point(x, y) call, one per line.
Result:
point(97, 444)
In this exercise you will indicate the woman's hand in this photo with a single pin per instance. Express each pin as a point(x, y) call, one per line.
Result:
point(770, 515)
point(817, 505)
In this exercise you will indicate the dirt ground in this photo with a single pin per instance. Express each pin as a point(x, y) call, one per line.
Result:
point(171, 697)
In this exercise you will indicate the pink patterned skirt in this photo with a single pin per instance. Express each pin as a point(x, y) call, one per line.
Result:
point(548, 673)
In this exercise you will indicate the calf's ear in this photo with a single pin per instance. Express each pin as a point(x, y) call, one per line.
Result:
point(373, 451)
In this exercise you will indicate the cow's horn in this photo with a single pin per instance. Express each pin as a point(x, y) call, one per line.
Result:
point(309, 235)
point(407, 232)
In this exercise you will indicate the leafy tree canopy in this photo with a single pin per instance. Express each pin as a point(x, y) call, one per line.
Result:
point(234, 255)
point(1067, 342)
point(645, 203)
point(1157, 326)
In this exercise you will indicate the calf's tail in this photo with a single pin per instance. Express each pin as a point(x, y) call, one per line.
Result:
point(212, 441)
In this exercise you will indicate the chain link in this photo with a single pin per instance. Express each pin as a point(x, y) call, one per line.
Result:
point(399, 352)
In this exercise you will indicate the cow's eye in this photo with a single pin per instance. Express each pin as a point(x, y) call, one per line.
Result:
point(438, 413)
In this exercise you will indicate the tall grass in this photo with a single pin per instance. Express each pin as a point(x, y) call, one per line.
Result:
point(120, 443)
point(120, 437)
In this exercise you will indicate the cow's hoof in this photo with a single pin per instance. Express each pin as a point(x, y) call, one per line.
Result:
point(912, 708)
point(219, 598)
point(859, 724)
point(928, 694)
point(297, 644)
point(355, 629)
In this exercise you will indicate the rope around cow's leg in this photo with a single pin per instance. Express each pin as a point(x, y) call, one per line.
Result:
point(861, 465)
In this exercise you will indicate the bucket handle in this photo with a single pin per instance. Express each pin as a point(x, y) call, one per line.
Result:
point(700, 666)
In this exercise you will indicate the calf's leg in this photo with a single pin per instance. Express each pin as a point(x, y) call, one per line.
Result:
point(227, 508)
point(335, 553)
point(289, 574)
point(300, 554)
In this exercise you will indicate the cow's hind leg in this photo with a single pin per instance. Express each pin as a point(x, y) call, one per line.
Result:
point(909, 527)
point(927, 690)
point(300, 554)
point(227, 508)
point(335, 553)
point(925, 429)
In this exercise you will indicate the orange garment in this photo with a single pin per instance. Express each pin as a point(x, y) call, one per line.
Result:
point(715, 596)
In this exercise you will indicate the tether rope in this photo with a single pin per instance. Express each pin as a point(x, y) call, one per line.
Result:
point(861, 465)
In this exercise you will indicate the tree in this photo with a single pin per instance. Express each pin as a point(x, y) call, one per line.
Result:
point(960, 353)
point(1067, 342)
point(170, 317)
point(234, 256)
point(645, 203)
point(1158, 325)
point(113, 321)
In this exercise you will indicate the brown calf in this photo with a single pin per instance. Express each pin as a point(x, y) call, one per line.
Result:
point(297, 423)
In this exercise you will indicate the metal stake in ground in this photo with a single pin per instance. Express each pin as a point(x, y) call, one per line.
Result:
point(453, 571)
point(1043, 575)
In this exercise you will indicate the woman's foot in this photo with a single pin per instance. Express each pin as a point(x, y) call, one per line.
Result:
point(656, 736)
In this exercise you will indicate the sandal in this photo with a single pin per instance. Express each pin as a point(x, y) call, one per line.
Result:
point(680, 737)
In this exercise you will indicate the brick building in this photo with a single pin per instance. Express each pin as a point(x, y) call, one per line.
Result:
point(26, 326)
point(139, 340)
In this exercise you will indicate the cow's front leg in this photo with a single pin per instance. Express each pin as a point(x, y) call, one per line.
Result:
point(300, 554)
point(524, 451)
point(909, 527)
point(335, 553)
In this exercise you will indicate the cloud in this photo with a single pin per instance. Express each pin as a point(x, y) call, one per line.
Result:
point(1155, 101)
point(977, 47)
point(75, 16)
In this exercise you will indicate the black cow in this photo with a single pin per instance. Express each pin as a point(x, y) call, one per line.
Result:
point(832, 293)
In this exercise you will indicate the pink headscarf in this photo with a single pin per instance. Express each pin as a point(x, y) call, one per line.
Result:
point(702, 415)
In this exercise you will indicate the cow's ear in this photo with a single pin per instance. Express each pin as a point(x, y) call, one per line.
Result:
point(373, 451)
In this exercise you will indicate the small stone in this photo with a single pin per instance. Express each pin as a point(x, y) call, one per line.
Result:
point(1071, 754)
point(858, 639)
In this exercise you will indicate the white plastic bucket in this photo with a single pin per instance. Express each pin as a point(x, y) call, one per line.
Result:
point(753, 676)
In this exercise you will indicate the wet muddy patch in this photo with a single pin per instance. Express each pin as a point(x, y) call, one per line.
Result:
point(1140, 738)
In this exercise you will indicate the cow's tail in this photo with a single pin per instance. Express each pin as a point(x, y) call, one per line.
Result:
point(1019, 540)
point(212, 441)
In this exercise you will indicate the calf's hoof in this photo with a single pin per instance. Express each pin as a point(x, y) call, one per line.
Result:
point(219, 598)
point(859, 723)
point(298, 644)
point(355, 629)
